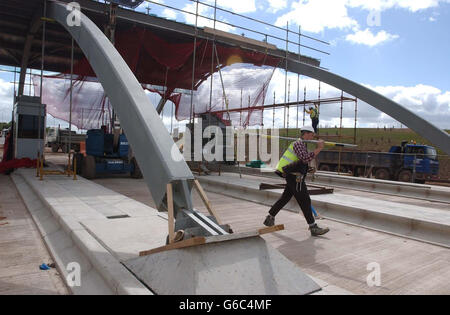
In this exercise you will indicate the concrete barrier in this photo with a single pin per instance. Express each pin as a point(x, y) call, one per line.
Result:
point(393, 188)
point(244, 267)
point(415, 222)
point(410, 190)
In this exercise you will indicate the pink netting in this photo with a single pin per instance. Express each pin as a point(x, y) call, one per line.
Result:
point(245, 87)
point(159, 62)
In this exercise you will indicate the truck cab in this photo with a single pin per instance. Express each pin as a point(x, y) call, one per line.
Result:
point(418, 161)
point(52, 135)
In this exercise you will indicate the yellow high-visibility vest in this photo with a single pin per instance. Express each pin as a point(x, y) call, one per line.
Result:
point(288, 157)
point(314, 113)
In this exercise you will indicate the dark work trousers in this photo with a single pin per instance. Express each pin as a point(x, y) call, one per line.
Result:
point(315, 122)
point(302, 197)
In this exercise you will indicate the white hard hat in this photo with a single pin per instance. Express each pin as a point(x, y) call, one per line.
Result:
point(308, 129)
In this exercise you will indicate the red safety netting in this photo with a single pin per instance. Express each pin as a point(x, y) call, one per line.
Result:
point(8, 163)
point(163, 65)
point(17, 163)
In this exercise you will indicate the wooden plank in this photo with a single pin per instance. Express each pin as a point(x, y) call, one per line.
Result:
point(206, 201)
point(322, 191)
point(271, 229)
point(171, 220)
point(264, 186)
point(318, 191)
point(199, 240)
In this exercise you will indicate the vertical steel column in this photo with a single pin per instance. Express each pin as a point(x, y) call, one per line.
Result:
point(212, 62)
point(171, 121)
point(273, 111)
point(191, 114)
point(286, 80)
point(29, 90)
point(14, 98)
point(298, 76)
point(286, 74)
point(240, 113)
point(44, 24)
point(342, 107)
point(71, 98)
point(356, 117)
point(318, 112)
point(304, 105)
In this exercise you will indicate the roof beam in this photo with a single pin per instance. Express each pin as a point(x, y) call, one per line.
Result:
point(134, 18)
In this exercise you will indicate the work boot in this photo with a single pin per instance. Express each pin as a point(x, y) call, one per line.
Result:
point(269, 221)
point(317, 231)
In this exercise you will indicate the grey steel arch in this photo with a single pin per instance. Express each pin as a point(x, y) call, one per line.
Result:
point(424, 128)
point(145, 131)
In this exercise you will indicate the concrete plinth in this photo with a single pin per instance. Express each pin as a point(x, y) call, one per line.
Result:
point(240, 267)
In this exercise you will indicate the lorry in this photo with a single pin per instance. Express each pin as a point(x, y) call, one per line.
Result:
point(104, 155)
point(406, 163)
point(58, 138)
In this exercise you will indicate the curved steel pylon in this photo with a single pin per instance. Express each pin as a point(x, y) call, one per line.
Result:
point(421, 126)
point(145, 130)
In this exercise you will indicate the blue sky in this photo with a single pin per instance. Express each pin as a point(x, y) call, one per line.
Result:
point(399, 48)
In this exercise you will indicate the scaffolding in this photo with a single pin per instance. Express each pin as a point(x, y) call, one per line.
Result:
point(268, 39)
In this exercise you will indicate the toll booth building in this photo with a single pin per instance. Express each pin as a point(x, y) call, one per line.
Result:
point(29, 113)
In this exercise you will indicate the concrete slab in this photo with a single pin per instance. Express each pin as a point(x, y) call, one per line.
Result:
point(398, 256)
point(241, 267)
point(125, 238)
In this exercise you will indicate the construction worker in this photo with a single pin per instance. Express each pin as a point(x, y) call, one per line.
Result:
point(314, 114)
point(293, 166)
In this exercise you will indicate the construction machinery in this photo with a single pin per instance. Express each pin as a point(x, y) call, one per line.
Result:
point(104, 156)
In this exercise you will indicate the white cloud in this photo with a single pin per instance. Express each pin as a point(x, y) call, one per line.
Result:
point(366, 37)
point(277, 5)
point(6, 100)
point(168, 13)
point(426, 101)
point(318, 15)
point(382, 5)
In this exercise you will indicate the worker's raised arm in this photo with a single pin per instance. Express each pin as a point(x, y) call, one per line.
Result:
point(320, 146)
point(302, 152)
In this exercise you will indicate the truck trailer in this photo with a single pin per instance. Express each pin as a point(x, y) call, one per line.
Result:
point(406, 163)
point(58, 138)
